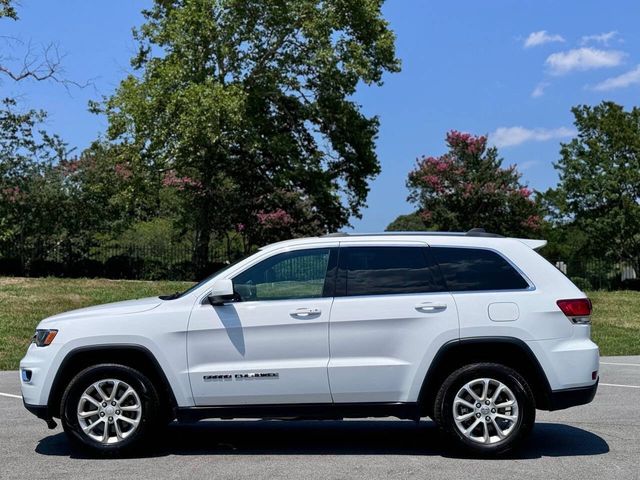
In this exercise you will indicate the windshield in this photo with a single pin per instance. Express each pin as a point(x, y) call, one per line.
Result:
point(173, 296)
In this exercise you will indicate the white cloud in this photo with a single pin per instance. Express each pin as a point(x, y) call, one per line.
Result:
point(603, 38)
point(540, 38)
point(631, 77)
point(512, 136)
point(538, 91)
point(581, 59)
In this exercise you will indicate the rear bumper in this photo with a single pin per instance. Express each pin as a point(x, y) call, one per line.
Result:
point(571, 397)
point(568, 363)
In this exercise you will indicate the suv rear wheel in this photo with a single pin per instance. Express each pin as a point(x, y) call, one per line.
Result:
point(486, 408)
point(109, 409)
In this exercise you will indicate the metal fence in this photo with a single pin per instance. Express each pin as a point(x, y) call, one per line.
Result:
point(175, 262)
point(145, 262)
point(596, 274)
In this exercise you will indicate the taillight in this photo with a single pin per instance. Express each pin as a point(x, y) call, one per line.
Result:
point(578, 310)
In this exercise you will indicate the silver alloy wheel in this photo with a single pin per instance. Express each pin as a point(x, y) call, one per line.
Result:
point(485, 411)
point(109, 411)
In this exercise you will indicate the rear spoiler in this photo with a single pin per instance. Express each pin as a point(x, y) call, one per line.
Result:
point(533, 244)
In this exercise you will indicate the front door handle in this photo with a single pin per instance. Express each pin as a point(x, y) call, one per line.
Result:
point(305, 312)
point(431, 307)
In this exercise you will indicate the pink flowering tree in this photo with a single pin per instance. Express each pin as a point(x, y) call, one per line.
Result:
point(467, 187)
point(278, 215)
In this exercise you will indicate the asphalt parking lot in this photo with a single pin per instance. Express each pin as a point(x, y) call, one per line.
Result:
point(599, 440)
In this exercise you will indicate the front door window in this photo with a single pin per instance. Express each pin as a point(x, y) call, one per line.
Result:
point(290, 275)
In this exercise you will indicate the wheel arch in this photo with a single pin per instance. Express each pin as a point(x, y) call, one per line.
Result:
point(135, 356)
point(509, 351)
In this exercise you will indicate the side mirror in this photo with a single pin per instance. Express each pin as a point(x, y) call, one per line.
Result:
point(221, 292)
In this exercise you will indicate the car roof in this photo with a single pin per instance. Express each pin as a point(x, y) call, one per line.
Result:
point(477, 237)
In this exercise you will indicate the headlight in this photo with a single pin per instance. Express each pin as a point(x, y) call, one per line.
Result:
point(42, 338)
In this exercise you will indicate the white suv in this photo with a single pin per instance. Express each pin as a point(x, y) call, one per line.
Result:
point(473, 330)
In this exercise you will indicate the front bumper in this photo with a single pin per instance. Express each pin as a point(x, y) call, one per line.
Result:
point(42, 412)
point(571, 397)
point(40, 362)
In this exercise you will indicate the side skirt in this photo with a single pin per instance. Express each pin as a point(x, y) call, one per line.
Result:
point(305, 411)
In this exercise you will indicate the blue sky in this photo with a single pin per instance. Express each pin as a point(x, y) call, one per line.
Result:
point(510, 69)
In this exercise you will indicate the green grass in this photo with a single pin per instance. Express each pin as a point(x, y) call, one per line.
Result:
point(616, 322)
point(25, 301)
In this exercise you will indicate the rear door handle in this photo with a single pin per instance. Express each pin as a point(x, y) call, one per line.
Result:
point(305, 312)
point(431, 307)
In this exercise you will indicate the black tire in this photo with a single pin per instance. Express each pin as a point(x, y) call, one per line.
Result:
point(444, 408)
point(150, 416)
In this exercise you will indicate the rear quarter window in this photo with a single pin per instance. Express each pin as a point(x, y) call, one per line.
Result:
point(476, 269)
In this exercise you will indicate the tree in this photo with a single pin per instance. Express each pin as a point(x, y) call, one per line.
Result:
point(40, 66)
point(411, 222)
point(29, 201)
point(599, 187)
point(33, 194)
point(106, 193)
point(467, 188)
point(8, 10)
point(244, 103)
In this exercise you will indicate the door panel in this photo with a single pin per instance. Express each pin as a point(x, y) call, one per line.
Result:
point(288, 352)
point(271, 345)
point(382, 342)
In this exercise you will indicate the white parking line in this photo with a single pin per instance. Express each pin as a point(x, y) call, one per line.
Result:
point(616, 385)
point(623, 364)
point(10, 395)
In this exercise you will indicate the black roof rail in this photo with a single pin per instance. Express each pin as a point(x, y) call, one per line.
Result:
point(474, 232)
point(481, 232)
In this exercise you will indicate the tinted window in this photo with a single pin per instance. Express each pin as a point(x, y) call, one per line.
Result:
point(466, 269)
point(387, 270)
point(299, 274)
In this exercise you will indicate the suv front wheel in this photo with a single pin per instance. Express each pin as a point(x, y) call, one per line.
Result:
point(108, 409)
point(486, 408)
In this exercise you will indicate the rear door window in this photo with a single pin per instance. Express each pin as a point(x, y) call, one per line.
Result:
point(476, 269)
point(387, 271)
